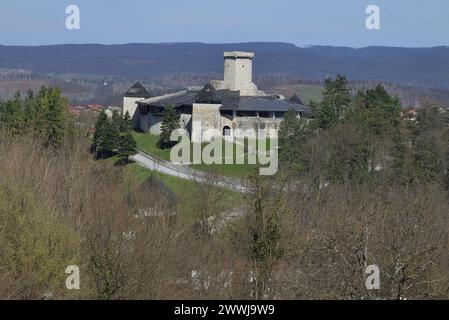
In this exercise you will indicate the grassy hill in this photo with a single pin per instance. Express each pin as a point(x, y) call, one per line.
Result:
point(148, 143)
point(189, 193)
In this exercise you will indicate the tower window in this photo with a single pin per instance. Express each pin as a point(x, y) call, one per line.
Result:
point(226, 131)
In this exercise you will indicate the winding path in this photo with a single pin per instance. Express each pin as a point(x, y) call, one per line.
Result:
point(151, 162)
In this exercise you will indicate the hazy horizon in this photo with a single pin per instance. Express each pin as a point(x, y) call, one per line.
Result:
point(216, 43)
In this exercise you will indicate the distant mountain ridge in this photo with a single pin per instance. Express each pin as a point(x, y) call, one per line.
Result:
point(427, 67)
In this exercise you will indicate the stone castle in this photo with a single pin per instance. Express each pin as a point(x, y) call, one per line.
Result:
point(223, 105)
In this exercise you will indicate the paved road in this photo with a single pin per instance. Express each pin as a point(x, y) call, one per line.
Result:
point(151, 162)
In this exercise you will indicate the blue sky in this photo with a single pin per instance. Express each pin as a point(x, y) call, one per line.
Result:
point(409, 23)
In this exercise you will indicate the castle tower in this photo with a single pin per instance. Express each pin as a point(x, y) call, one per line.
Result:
point(134, 94)
point(238, 69)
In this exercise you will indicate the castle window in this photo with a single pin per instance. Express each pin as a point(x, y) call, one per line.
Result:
point(246, 114)
point(226, 131)
point(228, 113)
point(265, 114)
point(279, 114)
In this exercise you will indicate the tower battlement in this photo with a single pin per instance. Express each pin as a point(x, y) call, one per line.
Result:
point(239, 54)
point(238, 72)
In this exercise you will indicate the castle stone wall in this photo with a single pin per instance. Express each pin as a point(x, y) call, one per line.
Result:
point(255, 123)
point(130, 105)
point(204, 117)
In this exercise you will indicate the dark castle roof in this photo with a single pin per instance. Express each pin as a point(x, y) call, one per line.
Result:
point(184, 97)
point(295, 99)
point(230, 100)
point(137, 91)
point(208, 95)
point(268, 103)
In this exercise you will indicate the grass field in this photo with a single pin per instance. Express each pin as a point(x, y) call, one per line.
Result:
point(235, 170)
point(148, 143)
point(309, 92)
point(189, 193)
point(305, 92)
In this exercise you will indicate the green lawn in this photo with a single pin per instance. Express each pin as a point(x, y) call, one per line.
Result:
point(148, 143)
point(235, 170)
point(309, 92)
point(189, 193)
point(240, 171)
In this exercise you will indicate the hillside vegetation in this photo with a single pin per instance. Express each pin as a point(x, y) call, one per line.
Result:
point(361, 184)
point(428, 67)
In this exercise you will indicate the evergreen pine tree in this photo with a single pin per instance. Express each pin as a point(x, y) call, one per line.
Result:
point(42, 100)
point(11, 114)
point(327, 116)
point(289, 137)
point(55, 119)
point(126, 124)
point(342, 96)
point(169, 124)
point(336, 99)
point(44, 114)
point(116, 121)
point(127, 147)
point(399, 158)
point(103, 143)
point(31, 108)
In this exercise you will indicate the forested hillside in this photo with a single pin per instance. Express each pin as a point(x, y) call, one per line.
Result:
point(409, 66)
point(361, 183)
